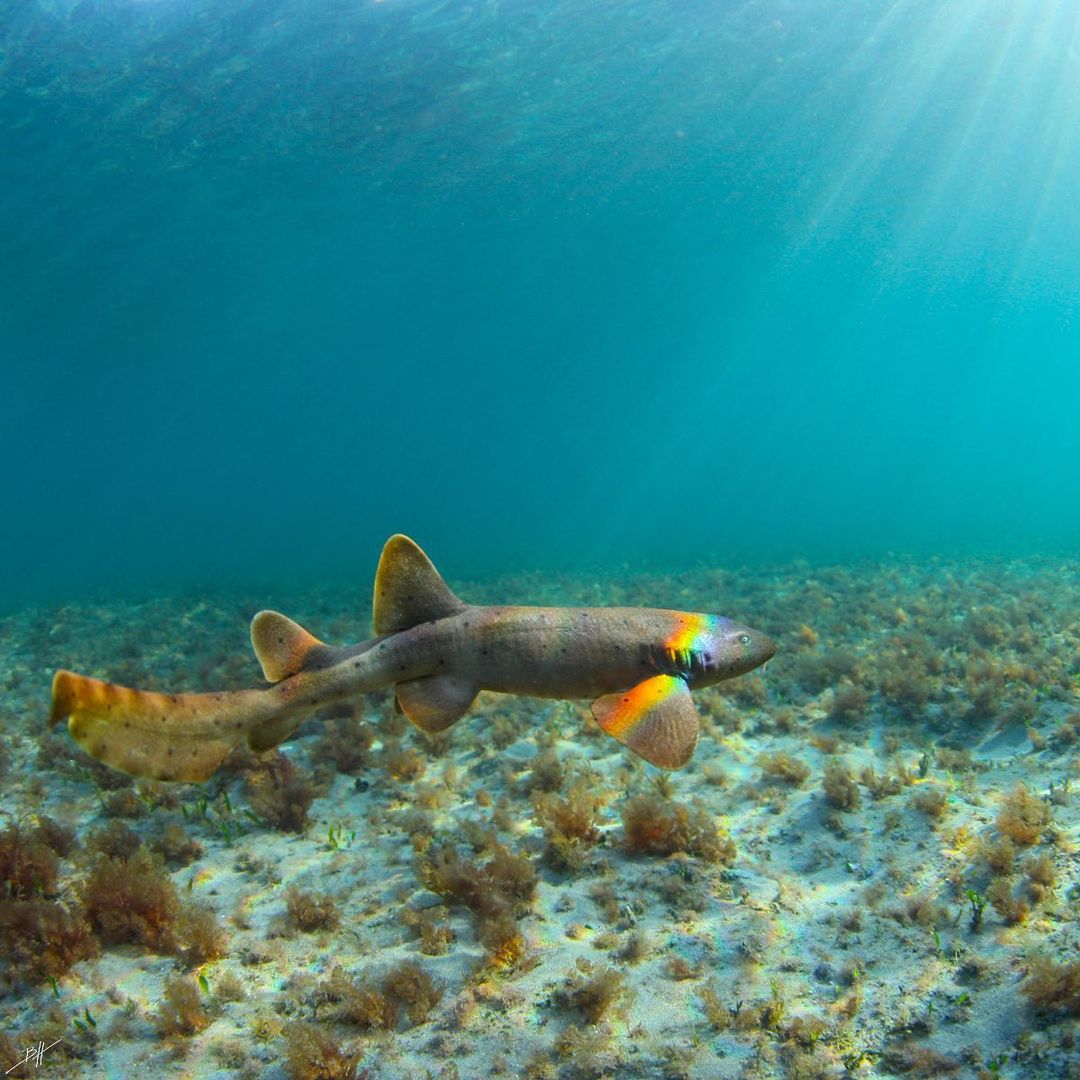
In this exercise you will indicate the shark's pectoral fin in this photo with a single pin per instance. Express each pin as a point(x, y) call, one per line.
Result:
point(435, 702)
point(657, 719)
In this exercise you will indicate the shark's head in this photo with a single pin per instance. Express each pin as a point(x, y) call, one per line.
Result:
point(734, 649)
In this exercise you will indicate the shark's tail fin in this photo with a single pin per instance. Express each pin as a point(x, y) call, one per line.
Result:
point(408, 588)
point(163, 736)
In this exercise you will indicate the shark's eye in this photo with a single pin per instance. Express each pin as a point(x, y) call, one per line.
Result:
point(744, 639)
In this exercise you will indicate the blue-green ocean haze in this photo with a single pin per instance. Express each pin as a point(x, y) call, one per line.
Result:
point(573, 284)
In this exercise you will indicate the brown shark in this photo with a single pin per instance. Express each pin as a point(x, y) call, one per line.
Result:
point(639, 664)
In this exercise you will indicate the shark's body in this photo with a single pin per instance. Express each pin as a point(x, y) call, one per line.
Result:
point(639, 664)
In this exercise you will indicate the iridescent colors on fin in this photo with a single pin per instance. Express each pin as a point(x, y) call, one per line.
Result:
point(283, 647)
point(164, 736)
point(435, 702)
point(656, 719)
point(408, 588)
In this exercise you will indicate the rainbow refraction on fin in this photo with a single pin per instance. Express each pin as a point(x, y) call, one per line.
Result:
point(656, 719)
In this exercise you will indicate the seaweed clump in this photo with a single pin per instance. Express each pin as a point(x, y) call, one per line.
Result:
point(839, 786)
point(173, 843)
point(411, 986)
point(505, 884)
point(132, 900)
point(435, 937)
point(783, 767)
point(28, 863)
point(570, 823)
point(346, 742)
point(592, 991)
point(1053, 988)
point(311, 1054)
point(656, 826)
point(40, 937)
point(497, 892)
point(1023, 816)
point(280, 793)
point(309, 911)
point(182, 1012)
point(375, 1005)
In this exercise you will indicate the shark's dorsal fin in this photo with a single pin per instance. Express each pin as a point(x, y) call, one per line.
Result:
point(283, 647)
point(656, 719)
point(408, 589)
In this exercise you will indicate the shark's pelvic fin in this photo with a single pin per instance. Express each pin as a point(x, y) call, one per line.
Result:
point(435, 702)
point(164, 736)
point(283, 647)
point(408, 588)
point(656, 719)
point(277, 729)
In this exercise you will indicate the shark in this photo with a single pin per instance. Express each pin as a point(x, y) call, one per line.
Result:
point(638, 667)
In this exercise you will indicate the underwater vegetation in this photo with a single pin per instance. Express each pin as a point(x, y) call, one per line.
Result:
point(868, 868)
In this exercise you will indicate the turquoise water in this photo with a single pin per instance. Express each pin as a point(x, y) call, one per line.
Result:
point(543, 284)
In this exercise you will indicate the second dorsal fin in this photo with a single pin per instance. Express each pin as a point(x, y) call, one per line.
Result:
point(408, 589)
point(283, 647)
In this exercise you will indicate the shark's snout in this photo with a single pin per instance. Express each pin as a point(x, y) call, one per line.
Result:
point(765, 647)
point(742, 648)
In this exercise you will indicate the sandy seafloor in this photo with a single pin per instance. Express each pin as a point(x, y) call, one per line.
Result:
point(835, 937)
